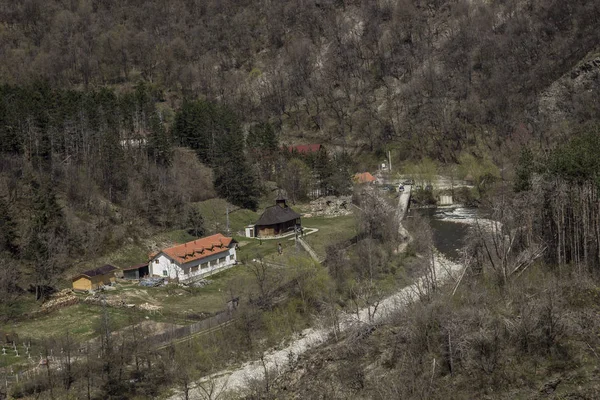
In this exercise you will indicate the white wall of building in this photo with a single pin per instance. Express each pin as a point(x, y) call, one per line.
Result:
point(163, 265)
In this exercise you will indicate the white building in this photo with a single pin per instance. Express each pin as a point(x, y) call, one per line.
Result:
point(195, 259)
point(250, 231)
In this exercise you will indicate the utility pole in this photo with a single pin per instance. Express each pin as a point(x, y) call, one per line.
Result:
point(227, 213)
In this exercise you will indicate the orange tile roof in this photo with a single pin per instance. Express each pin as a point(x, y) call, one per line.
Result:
point(305, 148)
point(199, 248)
point(364, 177)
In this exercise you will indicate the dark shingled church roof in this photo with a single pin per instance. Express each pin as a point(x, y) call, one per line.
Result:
point(276, 214)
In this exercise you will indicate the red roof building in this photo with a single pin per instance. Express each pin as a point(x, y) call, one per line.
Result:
point(305, 148)
point(196, 258)
point(364, 177)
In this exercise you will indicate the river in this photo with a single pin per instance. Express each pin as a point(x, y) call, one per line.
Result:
point(449, 229)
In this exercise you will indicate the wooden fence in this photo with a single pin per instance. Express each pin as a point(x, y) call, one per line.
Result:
point(175, 334)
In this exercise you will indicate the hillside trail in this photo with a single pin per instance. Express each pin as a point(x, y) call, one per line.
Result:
point(278, 361)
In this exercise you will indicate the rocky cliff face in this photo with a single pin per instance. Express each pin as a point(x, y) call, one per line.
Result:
point(574, 96)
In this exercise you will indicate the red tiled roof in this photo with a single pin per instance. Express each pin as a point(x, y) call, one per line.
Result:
point(199, 248)
point(364, 177)
point(305, 148)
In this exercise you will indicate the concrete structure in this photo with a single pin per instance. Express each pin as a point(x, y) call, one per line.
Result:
point(94, 278)
point(445, 200)
point(195, 259)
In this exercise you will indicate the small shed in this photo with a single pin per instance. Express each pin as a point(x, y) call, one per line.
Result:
point(250, 231)
point(136, 271)
point(94, 278)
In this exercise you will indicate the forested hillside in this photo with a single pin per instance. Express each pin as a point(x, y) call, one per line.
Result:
point(426, 77)
point(101, 100)
point(118, 118)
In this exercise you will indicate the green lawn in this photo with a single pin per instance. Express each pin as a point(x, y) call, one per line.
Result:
point(214, 212)
point(331, 230)
point(182, 301)
point(80, 320)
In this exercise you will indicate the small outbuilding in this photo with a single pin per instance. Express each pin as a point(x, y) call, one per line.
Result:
point(250, 231)
point(95, 278)
point(136, 271)
point(277, 220)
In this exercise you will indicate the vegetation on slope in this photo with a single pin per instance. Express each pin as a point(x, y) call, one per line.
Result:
point(428, 78)
point(520, 323)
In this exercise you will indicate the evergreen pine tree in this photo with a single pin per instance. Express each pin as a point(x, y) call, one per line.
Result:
point(46, 244)
point(262, 136)
point(8, 227)
point(324, 170)
point(524, 171)
point(159, 144)
point(193, 128)
point(195, 222)
point(262, 147)
point(235, 181)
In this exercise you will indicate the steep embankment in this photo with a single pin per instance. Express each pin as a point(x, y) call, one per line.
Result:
point(279, 361)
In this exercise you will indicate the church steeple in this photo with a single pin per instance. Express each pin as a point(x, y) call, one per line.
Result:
point(280, 200)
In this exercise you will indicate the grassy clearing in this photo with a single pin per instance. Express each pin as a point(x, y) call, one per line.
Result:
point(254, 248)
point(80, 320)
point(331, 230)
point(214, 212)
point(177, 302)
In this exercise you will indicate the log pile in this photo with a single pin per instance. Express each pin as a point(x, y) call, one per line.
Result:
point(64, 298)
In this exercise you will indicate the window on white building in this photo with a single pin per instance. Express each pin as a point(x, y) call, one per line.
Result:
point(231, 257)
point(204, 265)
point(164, 272)
point(222, 260)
